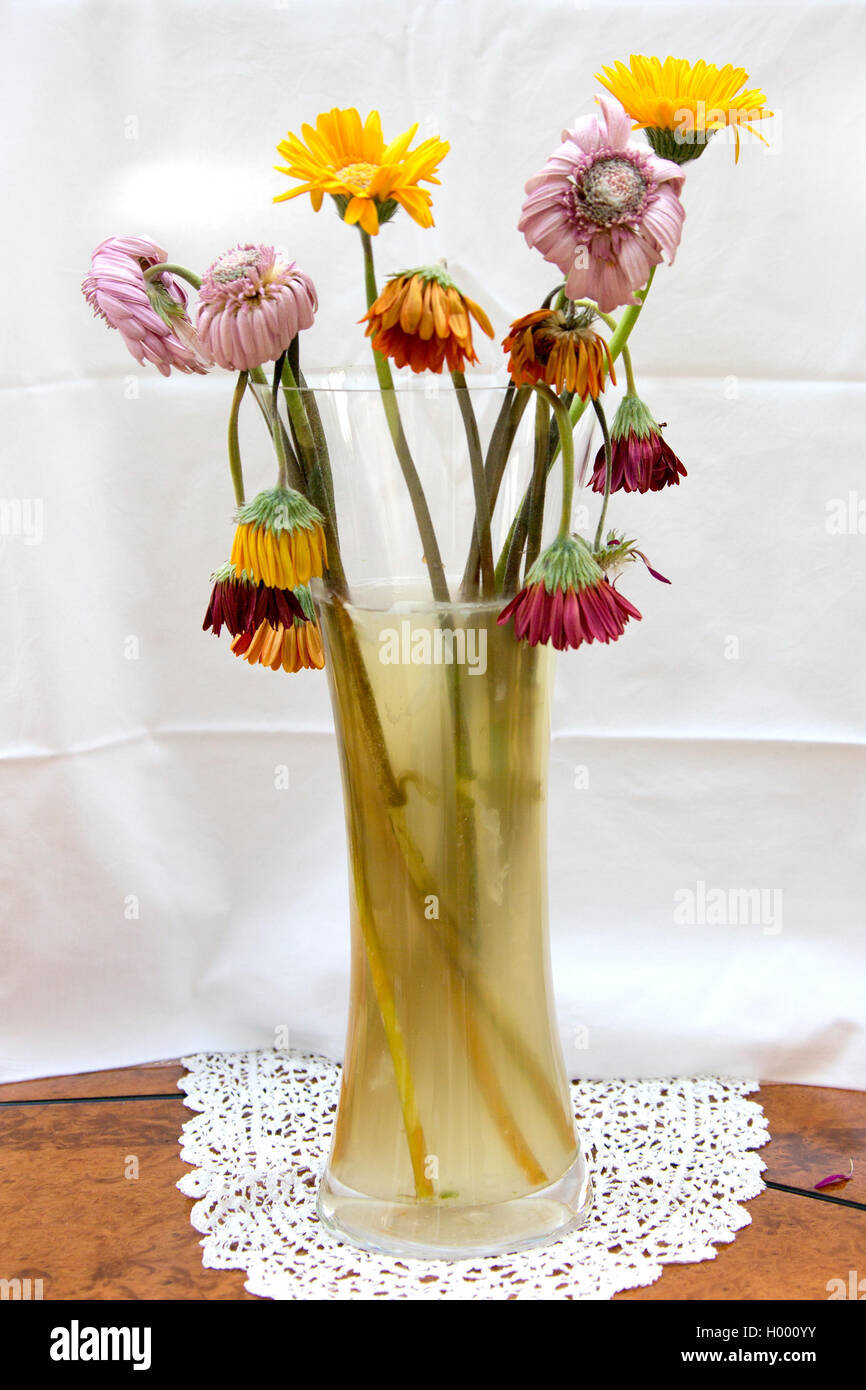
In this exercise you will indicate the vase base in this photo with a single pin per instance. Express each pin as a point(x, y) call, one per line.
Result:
point(443, 1231)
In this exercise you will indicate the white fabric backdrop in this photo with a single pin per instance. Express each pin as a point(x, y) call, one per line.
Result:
point(153, 778)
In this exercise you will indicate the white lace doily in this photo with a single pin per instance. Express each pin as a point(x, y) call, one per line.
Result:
point(671, 1160)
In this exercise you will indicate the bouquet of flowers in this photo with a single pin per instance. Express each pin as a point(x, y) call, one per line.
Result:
point(606, 210)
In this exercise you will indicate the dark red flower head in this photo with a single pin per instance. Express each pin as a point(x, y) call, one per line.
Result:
point(567, 600)
point(641, 459)
point(242, 605)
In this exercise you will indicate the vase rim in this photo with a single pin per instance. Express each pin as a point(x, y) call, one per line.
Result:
point(347, 382)
point(402, 596)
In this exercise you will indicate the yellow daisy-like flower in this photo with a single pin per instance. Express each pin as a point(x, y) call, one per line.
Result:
point(366, 178)
point(680, 106)
point(279, 540)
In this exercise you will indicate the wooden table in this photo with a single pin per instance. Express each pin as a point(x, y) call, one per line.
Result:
point(88, 1203)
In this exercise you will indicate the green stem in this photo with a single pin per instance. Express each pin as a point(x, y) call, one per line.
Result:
point(566, 438)
point(479, 484)
point(508, 421)
point(423, 518)
point(608, 470)
point(311, 455)
point(322, 455)
point(538, 487)
point(394, 1035)
point(289, 468)
point(235, 464)
point(169, 268)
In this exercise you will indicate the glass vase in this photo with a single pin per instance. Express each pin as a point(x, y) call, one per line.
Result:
point(454, 1135)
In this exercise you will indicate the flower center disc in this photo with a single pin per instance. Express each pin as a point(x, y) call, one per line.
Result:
point(612, 190)
point(360, 175)
point(235, 265)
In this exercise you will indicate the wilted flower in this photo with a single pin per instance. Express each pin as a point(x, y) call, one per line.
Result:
point(241, 605)
point(617, 552)
point(292, 646)
point(561, 347)
point(421, 320)
point(681, 106)
point(366, 178)
point(279, 539)
point(567, 601)
point(604, 209)
point(641, 459)
point(252, 304)
point(150, 315)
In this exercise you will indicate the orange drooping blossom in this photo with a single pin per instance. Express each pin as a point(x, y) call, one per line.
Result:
point(290, 646)
point(423, 321)
point(560, 347)
point(366, 178)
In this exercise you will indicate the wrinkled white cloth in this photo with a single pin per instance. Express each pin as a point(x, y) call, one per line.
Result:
point(162, 891)
point(671, 1161)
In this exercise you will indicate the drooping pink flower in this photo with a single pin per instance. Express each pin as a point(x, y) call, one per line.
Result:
point(604, 209)
point(251, 305)
point(567, 600)
point(150, 315)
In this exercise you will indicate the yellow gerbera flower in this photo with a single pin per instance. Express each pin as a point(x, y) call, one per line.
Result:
point(365, 177)
point(279, 540)
point(681, 106)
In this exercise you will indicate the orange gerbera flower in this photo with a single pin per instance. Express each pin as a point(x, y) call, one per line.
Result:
point(560, 347)
point(366, 178)
point(421, 320)
point(293, 645)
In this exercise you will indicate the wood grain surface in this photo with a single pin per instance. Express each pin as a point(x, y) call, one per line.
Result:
point(88, 1201)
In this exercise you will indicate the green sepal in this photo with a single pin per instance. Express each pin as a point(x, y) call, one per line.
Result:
point(305, 599)
point(384, 211)
point(633, 417)
point(428, 272)
point(676, 146)
point(567, 563)
point(279, 509)
point(163, 303)
point(228, 572)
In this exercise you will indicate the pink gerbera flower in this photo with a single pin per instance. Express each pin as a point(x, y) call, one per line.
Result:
point(251, 305)
point(567, 600)
point(150, 315)
point(604, 209)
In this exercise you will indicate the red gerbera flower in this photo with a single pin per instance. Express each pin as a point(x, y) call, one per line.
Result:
point(641, 459)
point(567, 600)
point(242, 605)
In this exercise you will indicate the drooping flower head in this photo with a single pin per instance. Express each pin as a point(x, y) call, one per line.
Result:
point(566, 600)
point(423, 321)
point(604, 209)
point(641, 458)
point(680, 106)
point(561, 347)
point(617, 552)
point(366, 178)
point(291, 646)
point(252, 304)
point(279, 541)
point(239, 604)
point(150, 315)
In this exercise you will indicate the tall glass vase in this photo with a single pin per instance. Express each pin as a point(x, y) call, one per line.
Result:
point(455, 1134)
